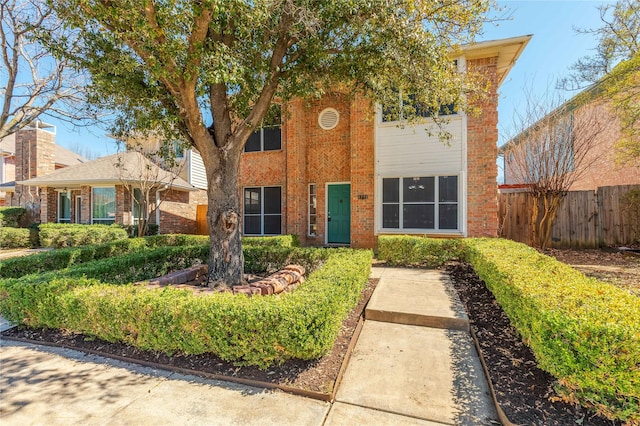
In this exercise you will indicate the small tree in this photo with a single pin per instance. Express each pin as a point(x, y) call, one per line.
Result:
point(33, 80)
point(553, 149)
point(142, 173)
point(615, 67)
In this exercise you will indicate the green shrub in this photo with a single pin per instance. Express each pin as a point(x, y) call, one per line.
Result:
point(14, 237)
point(405, 250)
point(58, 235)
point(256, 331)
point(279, 241)
point(67, 257)
point(11, 216)
point(584, 332)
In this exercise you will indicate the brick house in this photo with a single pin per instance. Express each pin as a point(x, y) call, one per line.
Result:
point(600, 166)
point(21, 158)
point(337, 172)
point(104, 190)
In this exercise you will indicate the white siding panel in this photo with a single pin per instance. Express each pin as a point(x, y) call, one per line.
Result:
point(197, 173)
point(410, 151)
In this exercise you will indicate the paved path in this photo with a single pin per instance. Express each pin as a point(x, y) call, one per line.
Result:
point(399, 374)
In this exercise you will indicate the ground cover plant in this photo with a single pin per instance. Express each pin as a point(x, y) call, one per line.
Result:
point(97, 299)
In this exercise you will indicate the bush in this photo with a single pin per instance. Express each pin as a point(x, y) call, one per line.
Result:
point(279, 240)
point(405, 250)
point(132, 230)
point(58, 235)
point(256, 331)
point(11, 216)
point(584, 332)
point(14, 238)
point(67, 257)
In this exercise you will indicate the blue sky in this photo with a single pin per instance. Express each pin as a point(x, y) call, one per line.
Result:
point(554, 47)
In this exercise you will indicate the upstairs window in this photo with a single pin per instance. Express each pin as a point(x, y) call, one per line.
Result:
point(409, 106)
point(269, 136)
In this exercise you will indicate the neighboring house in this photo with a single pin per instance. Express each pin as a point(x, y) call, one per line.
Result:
point(22, 158)
point(105, 190)
point(593, 119)
point(339, 173)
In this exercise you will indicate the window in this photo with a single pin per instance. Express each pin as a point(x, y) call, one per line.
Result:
point(313, 216)
point(103, 208)
point(64, 207)
point(263, 211)
point(178, 149)
point(420, 203)
point(269, 136)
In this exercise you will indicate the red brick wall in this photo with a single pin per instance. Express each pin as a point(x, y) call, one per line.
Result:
point(178, 211)
point(362, 174)
point(601, 168)
point(48, 205)
point(482, 171)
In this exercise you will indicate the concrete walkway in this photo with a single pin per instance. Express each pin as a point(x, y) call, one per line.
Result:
point(400, 373)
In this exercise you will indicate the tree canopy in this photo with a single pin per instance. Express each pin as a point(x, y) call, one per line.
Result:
point(615, 68)
point(35, 81)
point(209, 70)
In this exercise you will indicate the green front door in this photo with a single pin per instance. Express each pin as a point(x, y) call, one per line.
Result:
point(339, 214)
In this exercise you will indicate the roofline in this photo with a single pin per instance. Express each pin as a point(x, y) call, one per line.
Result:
point(490, 48)
point(97, 182)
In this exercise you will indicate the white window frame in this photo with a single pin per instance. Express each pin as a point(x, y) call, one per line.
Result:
point(115, 196)
point(261, 214)
point(312, 200)
point(436, 220)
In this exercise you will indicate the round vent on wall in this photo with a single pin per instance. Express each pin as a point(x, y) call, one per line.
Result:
point(328, 118)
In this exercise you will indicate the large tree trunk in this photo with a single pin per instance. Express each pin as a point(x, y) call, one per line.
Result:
point(226, 262)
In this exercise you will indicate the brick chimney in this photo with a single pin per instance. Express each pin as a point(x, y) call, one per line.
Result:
point(35, 156)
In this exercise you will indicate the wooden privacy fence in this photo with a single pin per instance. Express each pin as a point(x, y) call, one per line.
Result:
point(202, 226)
point(585, 219)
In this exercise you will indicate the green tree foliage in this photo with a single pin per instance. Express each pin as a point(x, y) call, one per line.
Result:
point(209, 70)
point(615, 66)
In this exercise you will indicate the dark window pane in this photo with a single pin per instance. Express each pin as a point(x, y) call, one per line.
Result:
point(390, 191)
point(448, 188)
point(272, 138)
point(273, 224)
point(419, 216)
point(252, 201)
point(391, 216)
point(448, 216)
point(418, 190)
point(253, 143)
point(251, 225)
point(272, 200)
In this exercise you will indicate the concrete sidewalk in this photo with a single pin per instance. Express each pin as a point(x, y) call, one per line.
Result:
point(400, 373)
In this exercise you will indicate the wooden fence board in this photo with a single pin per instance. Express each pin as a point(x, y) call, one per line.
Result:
point(585, 219)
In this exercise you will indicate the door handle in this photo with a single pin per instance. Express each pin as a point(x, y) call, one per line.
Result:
point(329, 217)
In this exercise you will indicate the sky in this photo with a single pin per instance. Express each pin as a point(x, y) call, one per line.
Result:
point(555, 46)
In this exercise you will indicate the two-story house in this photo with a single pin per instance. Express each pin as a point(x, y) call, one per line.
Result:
point(341, 172)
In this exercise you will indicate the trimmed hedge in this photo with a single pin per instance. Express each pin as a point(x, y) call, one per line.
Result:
point(404, 250)
point(584, 332)
point(58, 235)
point(256, 331)
point(14, 237)
point(11, 216)
point(67, 257)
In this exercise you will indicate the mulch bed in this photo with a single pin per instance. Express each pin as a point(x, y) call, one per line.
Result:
point(524, 392)
point(315, 376)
